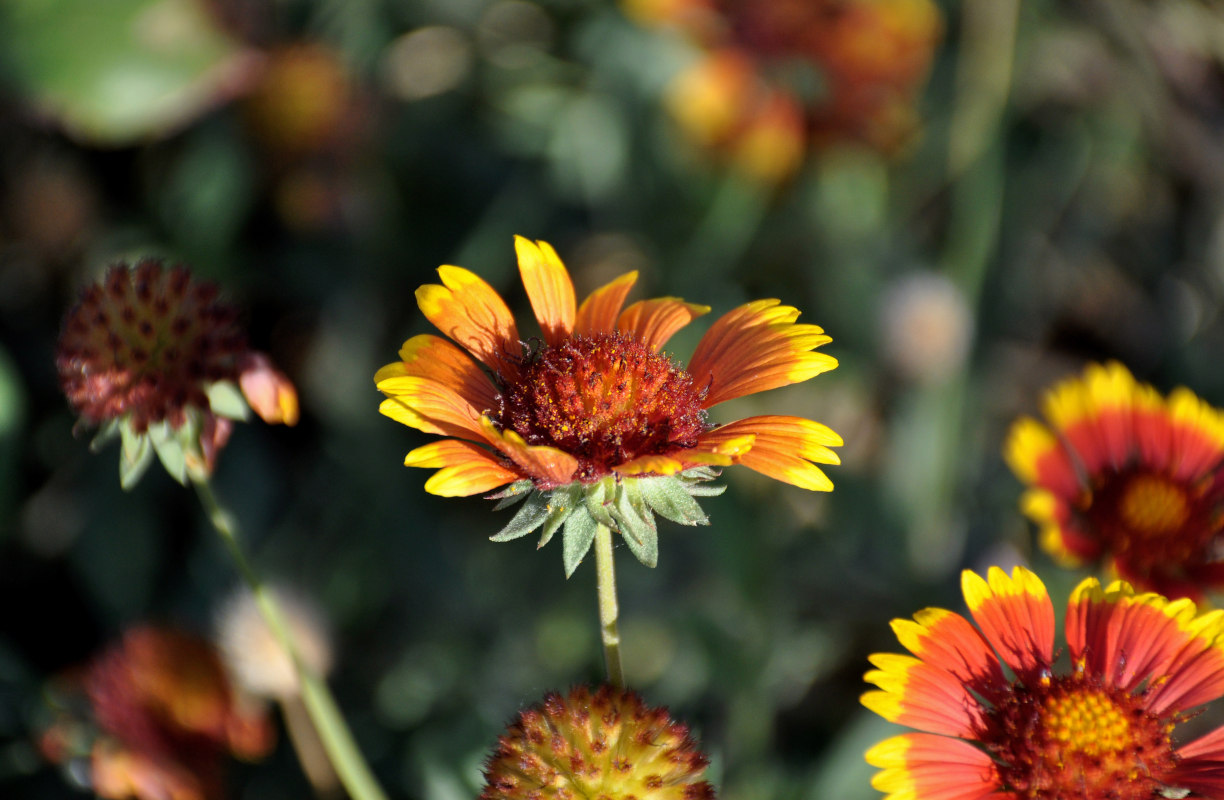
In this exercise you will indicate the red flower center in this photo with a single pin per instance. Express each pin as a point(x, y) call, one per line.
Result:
point(1072, 737)
point(604, 399)
point(1153, 523)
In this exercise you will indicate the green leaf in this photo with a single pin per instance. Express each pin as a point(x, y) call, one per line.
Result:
point(563, 502)
point(512, 494)
point(529, 517)
point(169, 446)
point(225, 399)
point(134, 457)
point(638, 530)
point(576, 539)
point(670, 498)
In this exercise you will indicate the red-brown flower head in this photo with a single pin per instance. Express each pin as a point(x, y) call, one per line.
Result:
point(608, 744)
point(156, 356)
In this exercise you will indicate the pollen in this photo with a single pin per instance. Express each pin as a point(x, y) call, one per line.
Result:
point(1074, 737)
point(604, 399)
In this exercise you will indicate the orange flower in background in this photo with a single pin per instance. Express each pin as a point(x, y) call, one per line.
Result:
point(154, 357)
point(165, 717)
point(595, 406)
point(1125, 475)
point(1102, 730)
point(606, 744)
point(803, 73)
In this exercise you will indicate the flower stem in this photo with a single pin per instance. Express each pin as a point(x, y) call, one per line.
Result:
point(341, 749)
point(605, 571)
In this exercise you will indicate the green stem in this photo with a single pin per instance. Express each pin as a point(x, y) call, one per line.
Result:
point(337, 740)
point(605, 572)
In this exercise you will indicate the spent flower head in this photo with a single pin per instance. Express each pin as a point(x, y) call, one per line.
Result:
point(155, 358)
point(1023, 729)
point(1128, 476)
point(607, 744)
point(594, 424)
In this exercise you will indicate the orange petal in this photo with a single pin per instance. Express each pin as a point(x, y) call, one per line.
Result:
point(471, 312)
point(784, 448)
point(430, 406)
point(548, 288)
point(919, 765)
point(466, 468)
point(756, 347)
point(599, 311)
point(432, 357)
point(654, 321)
point(547, 466)
point(1015, 615)
point(947, 640)
point(653, 465)
point(921, 696)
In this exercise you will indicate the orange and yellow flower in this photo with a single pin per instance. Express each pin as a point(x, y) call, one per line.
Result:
point(774, 79)
point(1102, 730)
point(1126, 475)
point(597, 404)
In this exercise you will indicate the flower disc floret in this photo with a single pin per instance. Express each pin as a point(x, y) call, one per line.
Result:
point(1104, 730)
point(1124, 475)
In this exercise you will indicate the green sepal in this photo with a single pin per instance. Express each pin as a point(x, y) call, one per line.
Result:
point(576, 539)
point(105, 435)
point(670, 498)
point(598, 500)
point(562, 502)
point(135, 456)
point(168, 443)
point(636, 524)
point(529, 517)
point(226, 400)
point(512, 494)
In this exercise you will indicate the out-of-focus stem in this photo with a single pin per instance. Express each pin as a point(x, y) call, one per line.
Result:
point(333, 732)
point(609, 610)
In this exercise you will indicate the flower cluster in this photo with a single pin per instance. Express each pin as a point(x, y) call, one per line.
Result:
point(776, 78)
point(607, 744)
point(1127, 475)
point(156, 359)
point(595, 425)
point(1022, 729)
point(161, 718)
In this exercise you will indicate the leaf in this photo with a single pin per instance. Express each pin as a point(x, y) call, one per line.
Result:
point(512, 494)
point(528, 518)
point(226, 400)
point(638, 530)
point(134, 457)
point(169, 445)
point(563, 502)
point(670, 498)
point(576, 539)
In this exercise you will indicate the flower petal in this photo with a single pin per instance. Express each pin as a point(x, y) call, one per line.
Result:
point(432, 357)
point(784, 448)
point(919, 766)
point(466, 468)
point(1037, 458)
point(947, 640)
point(653, 322)
point(599, 310)
point(1201, 766)
point(548, 467)
point(430, 406)
point(1015, 615)
point(756, 347)
point(472, 313)
point(921, 696)
point(654, 465)
point(549, 288)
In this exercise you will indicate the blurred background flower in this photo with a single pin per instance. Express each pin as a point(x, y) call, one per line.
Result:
point(1036, 186)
